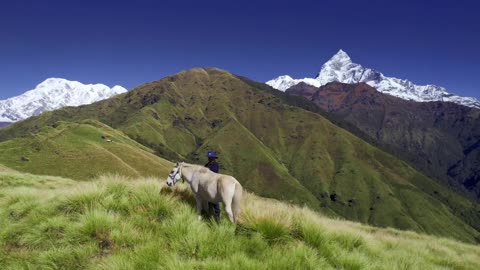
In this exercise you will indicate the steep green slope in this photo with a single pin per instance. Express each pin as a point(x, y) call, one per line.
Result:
point(119, 223)
point(276, 150)
point(77, 150)
point(440, 139)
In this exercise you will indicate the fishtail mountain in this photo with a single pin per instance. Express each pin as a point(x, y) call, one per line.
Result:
point(277, 146)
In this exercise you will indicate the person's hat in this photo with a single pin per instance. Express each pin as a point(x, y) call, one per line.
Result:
point(212, 154)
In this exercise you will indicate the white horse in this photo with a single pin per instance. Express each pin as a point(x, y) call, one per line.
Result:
point(208, 186)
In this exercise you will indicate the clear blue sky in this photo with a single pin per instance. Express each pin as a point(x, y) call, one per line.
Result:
point(132, 42)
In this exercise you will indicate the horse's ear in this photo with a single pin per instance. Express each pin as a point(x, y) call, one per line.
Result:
point(176, 164)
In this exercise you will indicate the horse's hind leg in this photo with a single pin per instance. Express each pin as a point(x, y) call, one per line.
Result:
point(228, 209)
point(227, 198)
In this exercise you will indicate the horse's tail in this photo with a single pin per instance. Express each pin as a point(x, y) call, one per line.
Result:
point(237, 200)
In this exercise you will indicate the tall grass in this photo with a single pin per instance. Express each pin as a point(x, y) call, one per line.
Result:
point(120, 223)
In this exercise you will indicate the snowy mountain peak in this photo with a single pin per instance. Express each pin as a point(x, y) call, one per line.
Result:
point(283, 82)
point(340, 57)
point(340, 68)
point(51, 81)
point(52, 94)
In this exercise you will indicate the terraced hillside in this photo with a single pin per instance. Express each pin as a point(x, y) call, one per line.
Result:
point(119, 223)
point(276, 150)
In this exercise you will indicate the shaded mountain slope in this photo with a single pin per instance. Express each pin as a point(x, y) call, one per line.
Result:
point(440, 139)
point(77, 150)
point(275, 150)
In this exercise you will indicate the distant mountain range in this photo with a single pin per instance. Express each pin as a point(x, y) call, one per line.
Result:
point(52, 94)
point(340, 68)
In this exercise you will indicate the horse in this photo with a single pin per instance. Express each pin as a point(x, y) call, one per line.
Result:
point(208, 186)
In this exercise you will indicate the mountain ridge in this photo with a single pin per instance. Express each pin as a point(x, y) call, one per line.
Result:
point(341, 68)
point(51, 94)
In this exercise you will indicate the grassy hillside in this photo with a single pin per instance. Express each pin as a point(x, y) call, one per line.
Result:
point(275, 150)
point(77, 150)
point(119, 223)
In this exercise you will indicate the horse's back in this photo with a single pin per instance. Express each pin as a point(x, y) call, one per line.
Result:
point(228, 178)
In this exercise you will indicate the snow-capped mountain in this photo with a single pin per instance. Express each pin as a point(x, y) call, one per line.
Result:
point(52, 94)
point(340, 68)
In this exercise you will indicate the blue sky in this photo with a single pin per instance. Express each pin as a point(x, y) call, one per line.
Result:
point(132, 42)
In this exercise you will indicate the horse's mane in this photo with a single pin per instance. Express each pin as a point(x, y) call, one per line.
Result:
point(198, 167)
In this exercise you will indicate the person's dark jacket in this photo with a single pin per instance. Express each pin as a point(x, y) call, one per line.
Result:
point(213, 166)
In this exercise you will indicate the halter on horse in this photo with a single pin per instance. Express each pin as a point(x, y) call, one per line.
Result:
point(175, 175)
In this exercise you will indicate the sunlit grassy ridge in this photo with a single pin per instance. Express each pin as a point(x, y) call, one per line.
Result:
point(119, 223)
point(77, 150)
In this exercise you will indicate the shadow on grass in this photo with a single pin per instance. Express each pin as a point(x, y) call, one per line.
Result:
point(182, 194)
point(186, 195)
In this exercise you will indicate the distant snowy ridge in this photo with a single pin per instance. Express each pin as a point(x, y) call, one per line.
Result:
point(340, 68)
point(52, 94)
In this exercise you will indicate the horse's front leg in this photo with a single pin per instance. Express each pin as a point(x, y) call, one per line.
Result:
point(199, 208)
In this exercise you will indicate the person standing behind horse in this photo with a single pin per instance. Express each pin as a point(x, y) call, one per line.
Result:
point(213, 166)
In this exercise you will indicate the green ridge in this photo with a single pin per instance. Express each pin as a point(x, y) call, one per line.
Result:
point(77, 150)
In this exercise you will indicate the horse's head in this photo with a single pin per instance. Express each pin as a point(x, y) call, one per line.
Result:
point(174, 175)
